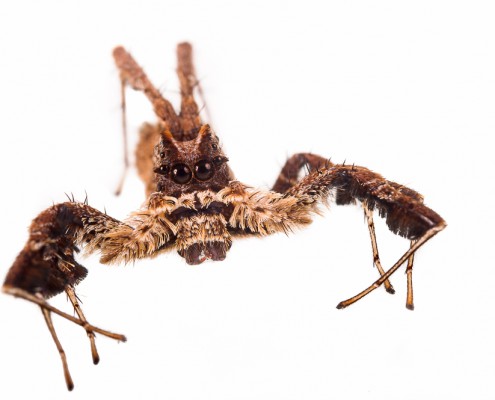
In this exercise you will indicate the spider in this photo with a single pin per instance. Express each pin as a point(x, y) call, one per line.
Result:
point(196, 206)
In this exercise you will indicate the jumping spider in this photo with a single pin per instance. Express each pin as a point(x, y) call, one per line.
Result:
point(196, 206)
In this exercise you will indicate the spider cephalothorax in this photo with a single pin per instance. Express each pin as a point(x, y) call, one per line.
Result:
point(195, 206)
point(188, 170)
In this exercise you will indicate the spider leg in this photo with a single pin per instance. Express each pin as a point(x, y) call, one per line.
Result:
point(71, 294)
point(188, 82)
point(376, 257)
point(415, 245)
point(47, 309)
point(410, 297)
point(289, 176)
point(37, 299)
point(46, 265)
point(403, 209)
point(189, 111)
point(120, 185)
point(132, 74)
point(61, 352)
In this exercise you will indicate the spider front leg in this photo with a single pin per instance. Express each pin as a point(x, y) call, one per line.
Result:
point(46, 266)
point(189, 111)
point(403, 208)
point(290, 176)
point(133, 75)
point(183, 126)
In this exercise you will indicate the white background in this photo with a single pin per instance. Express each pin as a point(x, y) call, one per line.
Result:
point(404, 88)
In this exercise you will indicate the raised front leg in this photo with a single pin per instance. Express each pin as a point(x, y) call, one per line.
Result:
point(189, 111)
point(133, 75)
point(183, 126)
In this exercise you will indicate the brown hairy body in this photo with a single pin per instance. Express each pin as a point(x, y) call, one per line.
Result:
point(196, 207)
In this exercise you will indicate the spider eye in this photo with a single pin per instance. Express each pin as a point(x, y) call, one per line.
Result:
point(162, 169)
point(181, 173)
point(218, 160)
point(203, 170)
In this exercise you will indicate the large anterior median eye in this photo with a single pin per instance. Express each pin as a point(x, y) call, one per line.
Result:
point(203, 170)
point(181, 173)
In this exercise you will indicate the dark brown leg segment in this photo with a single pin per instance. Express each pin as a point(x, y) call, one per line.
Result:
point(289, 176)
point(46, 266)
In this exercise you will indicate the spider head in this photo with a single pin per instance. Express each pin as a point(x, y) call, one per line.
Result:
point(188, 166)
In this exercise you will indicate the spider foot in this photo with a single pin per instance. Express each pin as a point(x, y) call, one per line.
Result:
point(16, 292)
point(407, 256)
point(80, 320)
point(390, 289)
point(91, 335)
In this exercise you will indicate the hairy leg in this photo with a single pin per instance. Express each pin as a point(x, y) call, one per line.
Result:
point(184, 126)
point(290, 175)
point(46, 266)
point(133, 75)
point(403, 209)
point(189, 112)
